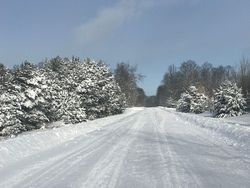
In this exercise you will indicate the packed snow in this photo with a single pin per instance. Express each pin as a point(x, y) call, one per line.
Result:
point(144, 147)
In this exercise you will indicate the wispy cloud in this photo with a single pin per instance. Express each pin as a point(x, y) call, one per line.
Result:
point(108, 19)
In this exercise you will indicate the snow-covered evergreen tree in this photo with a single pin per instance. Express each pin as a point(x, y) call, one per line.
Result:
point(184, 103)
point(192, 101)
point(10, 112)
point(228, 100)
point(22, 101)
point(62, 101)
point(31, 86)
point(87, 87)
point(62, 89)
point(171, 103)
point(199, 100)
point(100, 94)
point(4, 77)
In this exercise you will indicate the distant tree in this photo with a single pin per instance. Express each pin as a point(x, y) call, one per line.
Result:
point(141, 97)
point(161, 95)
point(218, 76)
point(151, 101)
point(244, 76)
point(172, 85)
point(127, 78)
point(190, 73)
point(206, 78)
point(228, 100)
point(172, 81)
point(230, 73)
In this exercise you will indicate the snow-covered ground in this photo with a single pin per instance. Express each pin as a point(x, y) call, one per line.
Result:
point(234, 130)
point(144, 147)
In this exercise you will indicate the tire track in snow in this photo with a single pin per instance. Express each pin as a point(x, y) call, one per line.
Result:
point(167, 179)
point(83, 152)
point(36, 176)
point(193, 124)
point(106, 171)
point(152, 148)
point(214, 143)
point(217, 146)
point(176, 162)
point(167, 156)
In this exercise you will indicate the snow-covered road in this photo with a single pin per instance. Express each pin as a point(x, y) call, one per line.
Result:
point(149, 147)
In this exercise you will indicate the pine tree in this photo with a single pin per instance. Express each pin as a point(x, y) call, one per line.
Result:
point(198, 102)
point(228, 100)
point(171, 103)
point(85, 87)
point(10, 111)
point(31, 84)
point(192, 101)
point(62, 101)
point(61, 89)
point(100, 94)
point(184, 103)
point(4, 76)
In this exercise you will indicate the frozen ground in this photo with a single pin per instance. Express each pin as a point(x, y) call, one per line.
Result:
point(145, 147)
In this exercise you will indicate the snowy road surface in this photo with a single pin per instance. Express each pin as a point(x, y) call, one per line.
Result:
point(149, 147)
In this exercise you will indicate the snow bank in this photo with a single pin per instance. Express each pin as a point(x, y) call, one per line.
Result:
point(35, 141)
point(241, 120)
point(238, 133)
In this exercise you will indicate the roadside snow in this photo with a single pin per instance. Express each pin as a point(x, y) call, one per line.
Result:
point(30, 143)
point(143, 148)
point(243, 120)
point(234, 130)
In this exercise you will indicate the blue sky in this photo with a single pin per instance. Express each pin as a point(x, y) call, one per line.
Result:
point(150, 33)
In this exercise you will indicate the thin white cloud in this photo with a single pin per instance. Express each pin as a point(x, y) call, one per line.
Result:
point(109, 19)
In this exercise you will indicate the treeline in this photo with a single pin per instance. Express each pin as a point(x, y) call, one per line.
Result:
point(72, 90)
point(206, 78)
point(57, 89)
point(227, 101)
point(127, 77)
